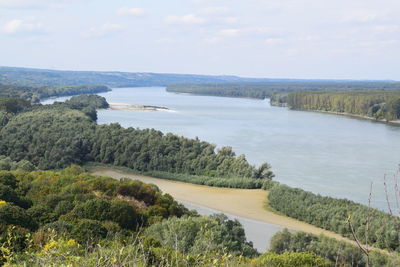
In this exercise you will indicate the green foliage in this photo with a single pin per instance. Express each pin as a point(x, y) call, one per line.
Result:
point(394, 107)
point(384, 104)
point(82, 101)
point(333, 214)
point(117, 211)
point(7, 164)
point(8, 179)
point(229, 182)
point(13, 105)
point(342, 253)
point(88, 231)
point(276, 89)
point(151, 150)
point(202, 235)
point(87, 220)
point(55, 136)
point(292, 259)
point(14, 215)
point(8, 194)
point(36, 92)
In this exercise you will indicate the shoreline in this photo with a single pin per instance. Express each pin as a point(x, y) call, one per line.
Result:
point(355, 116)
point(249, 204)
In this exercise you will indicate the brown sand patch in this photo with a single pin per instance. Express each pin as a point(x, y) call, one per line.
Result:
point(246, 203)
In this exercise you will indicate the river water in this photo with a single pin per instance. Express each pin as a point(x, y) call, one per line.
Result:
point(327, 154)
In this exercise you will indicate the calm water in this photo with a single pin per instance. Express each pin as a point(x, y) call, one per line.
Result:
point(327, 154)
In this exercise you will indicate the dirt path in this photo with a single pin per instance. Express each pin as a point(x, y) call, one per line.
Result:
point(247, 203)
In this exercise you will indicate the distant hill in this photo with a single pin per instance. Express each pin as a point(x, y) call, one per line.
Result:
point(45, 77)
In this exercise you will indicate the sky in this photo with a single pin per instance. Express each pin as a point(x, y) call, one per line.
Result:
point(312, 39)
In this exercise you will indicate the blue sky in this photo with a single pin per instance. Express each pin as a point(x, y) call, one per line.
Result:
point(344, 39)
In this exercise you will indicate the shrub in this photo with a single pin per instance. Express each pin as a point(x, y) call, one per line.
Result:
point(88, 231)
point(42, 214)
point(199, 235)
point(94, 209)
point(14, 215)
point(7, 178)
point(125, 215)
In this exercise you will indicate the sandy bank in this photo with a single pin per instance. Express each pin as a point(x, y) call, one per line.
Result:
point(246, 203)
point(135, 107)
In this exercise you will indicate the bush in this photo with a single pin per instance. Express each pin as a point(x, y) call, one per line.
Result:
point(14, 215)
point(42, 214)
point(7, 178)
point(201, 235)
point(125, 215)
point(88, 231)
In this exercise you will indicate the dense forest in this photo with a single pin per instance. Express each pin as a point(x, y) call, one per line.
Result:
point(276, 90)
point(72, 218)
point(55, 136)
point(384, 104)
point(335, 215)
point(35, 93)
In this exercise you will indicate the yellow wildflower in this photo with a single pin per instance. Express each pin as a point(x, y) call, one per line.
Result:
point(2, 202)
point(50, 245)
point(71, 243)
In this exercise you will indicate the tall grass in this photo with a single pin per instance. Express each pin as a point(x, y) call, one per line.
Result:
point(228, 182)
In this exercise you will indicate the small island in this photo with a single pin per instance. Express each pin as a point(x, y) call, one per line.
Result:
point(137, 107)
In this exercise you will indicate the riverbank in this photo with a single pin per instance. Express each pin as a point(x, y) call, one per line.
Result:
point(247, 203)
point(392, 122)
point(136, 107)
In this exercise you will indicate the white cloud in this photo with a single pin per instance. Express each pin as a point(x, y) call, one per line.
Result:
point(212, 40)
point(230, 32)
point(230, 20)
point(310, 38)
point(377, 43)
point(360, 16)
point(104, 30)
point(20, 3)
point(386, 28)
point(35, 4)
point(274, 41)
point(215, 10)
point(16, 26)
point(185, 19)
point(130, 11)
point(292, 52)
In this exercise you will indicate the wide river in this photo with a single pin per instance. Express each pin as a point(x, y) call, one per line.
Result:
point(327, 154)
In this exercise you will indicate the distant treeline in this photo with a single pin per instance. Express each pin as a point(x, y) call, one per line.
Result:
point(55, 136)
point(272, 89)
point(334, 214)
point(44, 77)
point(384, 104)
point(35, 93)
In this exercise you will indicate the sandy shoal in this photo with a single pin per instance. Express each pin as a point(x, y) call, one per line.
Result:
point(246, 203)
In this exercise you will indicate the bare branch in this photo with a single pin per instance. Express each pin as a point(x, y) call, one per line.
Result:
point(387, 195)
